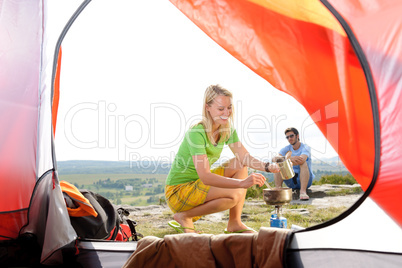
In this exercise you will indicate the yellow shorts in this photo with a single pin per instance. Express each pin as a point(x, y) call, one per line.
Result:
point(183, 197)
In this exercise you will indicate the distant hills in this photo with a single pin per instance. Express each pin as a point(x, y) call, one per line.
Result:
point(112, 167)
point(148, 167)
point(334, 159)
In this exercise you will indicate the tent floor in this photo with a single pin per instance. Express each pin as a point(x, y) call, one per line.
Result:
point(341, 258)
point(92, 254)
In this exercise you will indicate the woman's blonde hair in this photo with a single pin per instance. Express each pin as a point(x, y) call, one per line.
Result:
point(225, 131)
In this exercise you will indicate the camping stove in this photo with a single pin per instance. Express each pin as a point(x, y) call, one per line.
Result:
point(276, 219)
point(278, 197)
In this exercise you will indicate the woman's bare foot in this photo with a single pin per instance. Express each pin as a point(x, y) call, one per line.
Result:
point(184, 222)
point(233, 227)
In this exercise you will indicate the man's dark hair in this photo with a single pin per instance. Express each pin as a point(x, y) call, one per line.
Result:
point(292, 129)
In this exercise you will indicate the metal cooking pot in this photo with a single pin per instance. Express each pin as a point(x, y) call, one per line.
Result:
point(277, 196)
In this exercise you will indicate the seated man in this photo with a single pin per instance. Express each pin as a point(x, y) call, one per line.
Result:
point(301, 160)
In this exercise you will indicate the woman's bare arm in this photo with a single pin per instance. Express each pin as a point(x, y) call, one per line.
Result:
point(203, 170)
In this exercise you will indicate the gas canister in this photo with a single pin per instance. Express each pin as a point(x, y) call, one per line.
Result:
point(280, 222)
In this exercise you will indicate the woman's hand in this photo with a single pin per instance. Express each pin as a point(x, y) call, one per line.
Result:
point(274, 168)
point(252, 179)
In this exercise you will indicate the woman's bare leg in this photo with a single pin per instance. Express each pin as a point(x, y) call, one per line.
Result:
point(213, 206)
point(235, 170)
point(220, 199)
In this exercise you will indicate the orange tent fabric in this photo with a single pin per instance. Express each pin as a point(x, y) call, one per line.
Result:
point(56, 96)
point(330, 59)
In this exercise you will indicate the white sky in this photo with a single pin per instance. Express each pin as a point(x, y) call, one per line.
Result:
point(133, 78)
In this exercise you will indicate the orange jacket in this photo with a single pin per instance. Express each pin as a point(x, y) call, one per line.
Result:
point(84, 206)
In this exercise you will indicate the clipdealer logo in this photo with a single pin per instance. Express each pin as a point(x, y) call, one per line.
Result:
point(129, 133)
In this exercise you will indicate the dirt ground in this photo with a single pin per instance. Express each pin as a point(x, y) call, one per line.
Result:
point(158, 215)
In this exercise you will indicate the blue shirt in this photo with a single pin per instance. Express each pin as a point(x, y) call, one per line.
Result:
point(303, 149)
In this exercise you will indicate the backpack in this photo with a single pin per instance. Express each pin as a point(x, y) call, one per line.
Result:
point(102, 221)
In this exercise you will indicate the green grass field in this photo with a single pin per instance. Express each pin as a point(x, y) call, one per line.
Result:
point(138, 197)
point(87, 179)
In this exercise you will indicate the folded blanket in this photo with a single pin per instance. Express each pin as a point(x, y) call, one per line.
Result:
point(262, 249)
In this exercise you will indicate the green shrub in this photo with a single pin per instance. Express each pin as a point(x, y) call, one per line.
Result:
point(162, 200)
point(342, 192)
point(336, 179)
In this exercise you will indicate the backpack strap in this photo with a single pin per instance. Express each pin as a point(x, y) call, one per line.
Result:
point(132, 225)
point(123, 215)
